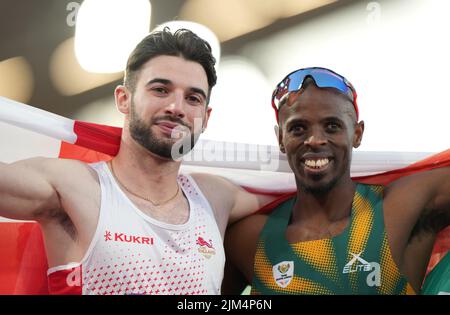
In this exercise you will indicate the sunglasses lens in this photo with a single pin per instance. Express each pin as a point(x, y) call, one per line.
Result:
point(328, 79)
point(322, 77)
point(291, 83)
point(296, 79)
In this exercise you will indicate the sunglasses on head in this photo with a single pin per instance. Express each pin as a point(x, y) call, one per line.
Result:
point(323, 78)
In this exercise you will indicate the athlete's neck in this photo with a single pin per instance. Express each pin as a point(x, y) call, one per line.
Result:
point(145, 171)
point(331, 206)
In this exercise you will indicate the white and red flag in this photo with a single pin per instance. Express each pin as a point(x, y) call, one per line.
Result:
point(26, 132)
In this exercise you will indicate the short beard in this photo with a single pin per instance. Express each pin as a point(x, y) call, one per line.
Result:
point(321, 190)
point(142, 134)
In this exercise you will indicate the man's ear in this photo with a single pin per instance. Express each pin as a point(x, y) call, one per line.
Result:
point(359, 131)
point(122, 98)
point(279, 135)
point(206, 119)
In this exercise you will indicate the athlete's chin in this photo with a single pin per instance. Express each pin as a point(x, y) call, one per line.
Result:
point(318, 187)
point(172, 150)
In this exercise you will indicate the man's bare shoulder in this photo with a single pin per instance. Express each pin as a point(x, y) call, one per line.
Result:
point(420, 194)
point(74, 168)
point(56, 165)
point(205, 179)
point(37, 177)
point(234, 200)
point(418, 181)
point(415, 210)
point(70, 178)
point(217, 189)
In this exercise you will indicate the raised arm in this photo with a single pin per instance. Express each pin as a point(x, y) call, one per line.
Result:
point(416, 209)
point(41, 188)
point(26, 189)
point(247, 203)
point(439, 181)
point(424, 200)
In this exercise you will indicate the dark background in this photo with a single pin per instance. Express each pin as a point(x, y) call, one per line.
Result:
point(33, 29)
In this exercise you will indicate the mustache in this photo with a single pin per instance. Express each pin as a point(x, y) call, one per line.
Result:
point(170, 118)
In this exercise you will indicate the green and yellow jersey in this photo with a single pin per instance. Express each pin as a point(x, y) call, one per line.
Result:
point(357, 261)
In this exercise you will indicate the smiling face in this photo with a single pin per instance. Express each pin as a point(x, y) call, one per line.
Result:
point(168, 105)
point(318, 131)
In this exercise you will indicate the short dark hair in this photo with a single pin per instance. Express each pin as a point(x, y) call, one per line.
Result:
point(183, 43)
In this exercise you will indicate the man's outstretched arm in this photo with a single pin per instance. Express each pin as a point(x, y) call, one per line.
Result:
point(26, 189)
point(440, 195)
point(423, 196)
point(41, 188)
point(230, 201)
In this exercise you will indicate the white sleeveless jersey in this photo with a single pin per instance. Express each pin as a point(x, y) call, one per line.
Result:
point(132, 253)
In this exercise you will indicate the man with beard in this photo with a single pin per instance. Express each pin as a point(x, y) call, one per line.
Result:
point(335, 236)
point(134, 225)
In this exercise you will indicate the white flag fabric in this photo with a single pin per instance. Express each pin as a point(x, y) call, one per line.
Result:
point(26, 131)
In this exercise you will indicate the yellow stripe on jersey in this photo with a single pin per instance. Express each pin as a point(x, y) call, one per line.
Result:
point(359, 231)
point(320, 255)
point(389, 271)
